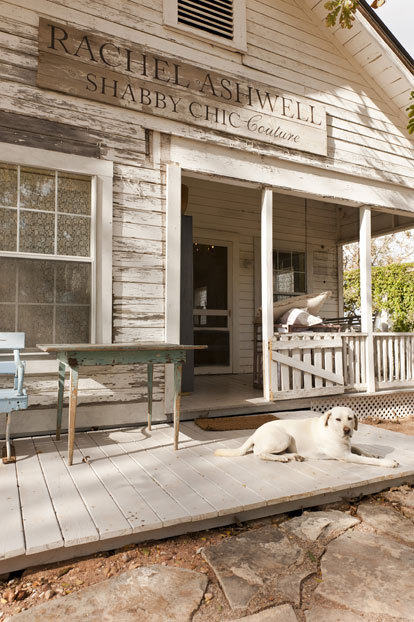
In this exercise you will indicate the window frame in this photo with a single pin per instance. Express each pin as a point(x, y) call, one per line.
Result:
point(239, 41)
point(276, 293)
point(101, 172)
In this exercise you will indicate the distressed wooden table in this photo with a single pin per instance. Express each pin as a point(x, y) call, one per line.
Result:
point(77, 355)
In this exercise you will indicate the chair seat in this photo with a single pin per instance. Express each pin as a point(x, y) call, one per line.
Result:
point(10, 400)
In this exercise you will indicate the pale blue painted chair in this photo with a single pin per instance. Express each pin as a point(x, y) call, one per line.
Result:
point(15, 398)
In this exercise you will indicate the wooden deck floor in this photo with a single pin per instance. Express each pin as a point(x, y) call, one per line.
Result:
point(126, 486)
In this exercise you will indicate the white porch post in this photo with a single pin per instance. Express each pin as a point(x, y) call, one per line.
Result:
point(366, 292)
point(267, 285)
point(172, 272)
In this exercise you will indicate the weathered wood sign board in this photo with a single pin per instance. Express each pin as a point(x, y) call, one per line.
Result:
point(95, 67)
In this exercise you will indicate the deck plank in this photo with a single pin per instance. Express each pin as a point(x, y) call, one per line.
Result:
point(196, 507)
point(108, 518)
point(75, 522)
point(12, 541)
point(300, 479)
point(137, 512)
point(184, 465)
point(42, 531)
point(167, 509)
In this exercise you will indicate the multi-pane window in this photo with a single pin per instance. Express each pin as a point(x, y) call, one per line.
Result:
point(46, 254)
point(289, 274)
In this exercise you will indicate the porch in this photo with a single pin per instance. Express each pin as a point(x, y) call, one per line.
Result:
point(128, 486)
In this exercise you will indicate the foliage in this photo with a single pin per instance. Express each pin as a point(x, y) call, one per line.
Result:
point(344, 11)
point(410, 126)
point(392, 290)
point(392, 248)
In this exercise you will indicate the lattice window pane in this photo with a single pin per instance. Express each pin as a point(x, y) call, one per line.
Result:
point(73, 236)
point(37, 322)
point(8, 185)
point(37, 232)
point(74, 194)
point(37, 189)
point(48, 300)
point(8, 229)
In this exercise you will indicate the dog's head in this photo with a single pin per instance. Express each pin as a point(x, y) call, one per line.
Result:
point(341, 420)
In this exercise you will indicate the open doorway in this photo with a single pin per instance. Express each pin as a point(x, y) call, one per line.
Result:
point(212, 305)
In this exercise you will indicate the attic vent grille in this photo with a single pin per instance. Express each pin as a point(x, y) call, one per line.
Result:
point(213, 16)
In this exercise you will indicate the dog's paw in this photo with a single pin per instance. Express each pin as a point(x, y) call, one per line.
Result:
point(391, 464)
point(284, 459)
point(299, 458)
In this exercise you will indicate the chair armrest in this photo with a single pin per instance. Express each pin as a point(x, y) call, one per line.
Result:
point(20, 378)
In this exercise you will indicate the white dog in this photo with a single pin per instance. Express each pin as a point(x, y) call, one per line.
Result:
point(326, 437)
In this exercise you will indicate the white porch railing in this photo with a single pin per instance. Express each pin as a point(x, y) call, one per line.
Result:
point(313, 366)
point(354, 360)
point(394, 365)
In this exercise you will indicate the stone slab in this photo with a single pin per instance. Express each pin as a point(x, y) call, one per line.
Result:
point(315, 525)
point(386, 520)
point(283, 613)
point(369, 574)
point(147, 594)
point(243, 564)
point(320, 614)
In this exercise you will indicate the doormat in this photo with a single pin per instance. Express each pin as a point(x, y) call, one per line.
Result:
point(245, 422)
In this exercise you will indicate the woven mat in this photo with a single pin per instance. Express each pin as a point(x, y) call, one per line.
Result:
point(245, 422)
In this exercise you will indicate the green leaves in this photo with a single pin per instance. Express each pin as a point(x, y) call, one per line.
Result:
point(344, 11)
point(341, 10)
point(392, 290)
point(410, 126)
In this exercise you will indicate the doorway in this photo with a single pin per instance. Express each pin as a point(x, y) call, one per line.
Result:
point(212, 305)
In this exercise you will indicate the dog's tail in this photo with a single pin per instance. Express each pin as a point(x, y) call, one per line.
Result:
point(241, 451)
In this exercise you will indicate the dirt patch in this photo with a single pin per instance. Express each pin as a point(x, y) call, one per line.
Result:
point(404, 426)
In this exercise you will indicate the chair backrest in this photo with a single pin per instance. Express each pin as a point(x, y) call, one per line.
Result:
point(11, 341)
point(8, 368)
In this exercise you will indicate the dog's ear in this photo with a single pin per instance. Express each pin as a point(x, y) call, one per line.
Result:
point(325, 417)
point(355, 422)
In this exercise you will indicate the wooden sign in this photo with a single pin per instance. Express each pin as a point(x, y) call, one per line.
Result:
point(128, 75)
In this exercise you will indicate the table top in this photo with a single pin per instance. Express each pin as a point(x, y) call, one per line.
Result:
point(116, 347)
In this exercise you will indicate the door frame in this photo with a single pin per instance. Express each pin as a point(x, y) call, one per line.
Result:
point(231, 240)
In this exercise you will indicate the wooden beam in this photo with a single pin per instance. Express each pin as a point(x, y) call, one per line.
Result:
point(267, 285)
point(172, 272)
point(366, 292)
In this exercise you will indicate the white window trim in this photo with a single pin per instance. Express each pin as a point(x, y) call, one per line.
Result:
point(238, 43)
point(101, 172)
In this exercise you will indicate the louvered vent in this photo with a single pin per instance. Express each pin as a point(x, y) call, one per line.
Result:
point(214, 16)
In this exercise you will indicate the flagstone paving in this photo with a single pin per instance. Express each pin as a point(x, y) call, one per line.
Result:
point(147, 594)
point(322, 566)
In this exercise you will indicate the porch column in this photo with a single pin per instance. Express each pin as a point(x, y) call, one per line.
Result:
point(366, 292)
point(267, 285)
point(172, 272)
